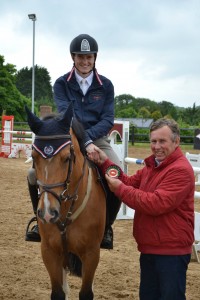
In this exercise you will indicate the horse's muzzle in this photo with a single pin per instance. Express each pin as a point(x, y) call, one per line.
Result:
point(50, 216)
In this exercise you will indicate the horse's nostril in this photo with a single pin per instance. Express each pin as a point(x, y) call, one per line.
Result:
point(49, 215)
point(40, 213)
point(55, 215)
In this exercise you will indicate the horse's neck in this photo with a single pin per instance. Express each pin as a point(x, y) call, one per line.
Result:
point(80, 164)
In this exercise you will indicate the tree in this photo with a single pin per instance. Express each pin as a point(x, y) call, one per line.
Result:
point(191, 115)
point(144, 113)
point(122, 102)
point(167, 108)
point(156, 115)
point(128, 112)
point(12, 102)
point(43, 88)
point(143, 102)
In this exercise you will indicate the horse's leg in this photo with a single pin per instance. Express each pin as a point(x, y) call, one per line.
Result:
point(54, 265)
point(59, 294)
point(89, 264)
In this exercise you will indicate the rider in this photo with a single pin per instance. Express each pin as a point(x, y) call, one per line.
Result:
point(93, 104)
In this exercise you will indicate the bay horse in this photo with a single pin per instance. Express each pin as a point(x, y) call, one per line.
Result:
point(72, 205)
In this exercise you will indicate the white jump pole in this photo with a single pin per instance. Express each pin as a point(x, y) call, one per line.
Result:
point(132, 160)
point(197, 195)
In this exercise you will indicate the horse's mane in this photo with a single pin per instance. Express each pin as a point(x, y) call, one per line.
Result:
point(77, 128)
point(79, 132)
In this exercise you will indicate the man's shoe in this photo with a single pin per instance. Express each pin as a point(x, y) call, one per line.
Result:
point(107, 242)
point(32, 235)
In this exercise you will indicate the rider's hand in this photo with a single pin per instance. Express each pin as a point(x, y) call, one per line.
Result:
point(96, 154)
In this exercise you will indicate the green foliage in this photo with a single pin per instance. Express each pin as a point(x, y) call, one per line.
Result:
point(43, 89)
point(12, 102)
point(191, 115)
point(156, 115)
point(140, 134)
point(127, 113)
point(127, 106)
point(144, 113)
point(167, 109)
point(187, 135)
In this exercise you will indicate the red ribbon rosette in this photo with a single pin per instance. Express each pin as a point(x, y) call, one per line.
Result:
point(113, 171)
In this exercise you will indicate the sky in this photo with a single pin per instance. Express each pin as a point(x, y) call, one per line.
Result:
point(147, 48)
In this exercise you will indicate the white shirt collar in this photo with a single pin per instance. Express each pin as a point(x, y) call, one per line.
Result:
point(89, 78)
point(157, 162)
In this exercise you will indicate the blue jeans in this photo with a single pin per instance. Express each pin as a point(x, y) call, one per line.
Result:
point(163, 277)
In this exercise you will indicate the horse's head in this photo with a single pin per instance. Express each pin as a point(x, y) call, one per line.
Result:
point(53, 156)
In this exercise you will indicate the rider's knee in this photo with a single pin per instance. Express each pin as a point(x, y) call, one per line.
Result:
point(31, 176)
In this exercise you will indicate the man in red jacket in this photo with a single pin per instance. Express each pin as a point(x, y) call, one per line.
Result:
point(162, 195)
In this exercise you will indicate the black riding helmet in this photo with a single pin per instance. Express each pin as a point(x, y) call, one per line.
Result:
point(83, 44)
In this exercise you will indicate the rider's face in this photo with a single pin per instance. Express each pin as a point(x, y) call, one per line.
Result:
point(84, 63)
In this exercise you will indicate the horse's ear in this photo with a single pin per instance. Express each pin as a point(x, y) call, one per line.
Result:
point(67, 116)
point(33, 121)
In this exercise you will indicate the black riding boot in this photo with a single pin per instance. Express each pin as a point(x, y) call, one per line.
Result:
point(32, 235)
point(112, 208)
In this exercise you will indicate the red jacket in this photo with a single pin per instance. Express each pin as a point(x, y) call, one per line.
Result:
point(163, 199)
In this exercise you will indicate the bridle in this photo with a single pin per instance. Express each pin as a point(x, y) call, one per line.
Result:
point(64, 195)
point(65, 184)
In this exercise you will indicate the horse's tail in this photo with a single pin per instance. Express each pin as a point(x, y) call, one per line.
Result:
point(74, 264)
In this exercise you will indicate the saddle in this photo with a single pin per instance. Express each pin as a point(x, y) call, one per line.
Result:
point(100, 177)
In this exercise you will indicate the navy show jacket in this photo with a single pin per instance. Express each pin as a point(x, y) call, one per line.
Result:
point(95, 109)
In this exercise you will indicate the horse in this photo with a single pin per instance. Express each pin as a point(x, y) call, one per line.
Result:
point(72, 203)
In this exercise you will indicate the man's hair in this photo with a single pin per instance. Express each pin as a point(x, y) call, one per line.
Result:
point(166, 122)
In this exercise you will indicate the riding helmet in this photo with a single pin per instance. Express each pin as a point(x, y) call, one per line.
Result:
point(83, 44)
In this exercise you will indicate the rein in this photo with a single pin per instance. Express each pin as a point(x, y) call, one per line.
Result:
point(69, 217)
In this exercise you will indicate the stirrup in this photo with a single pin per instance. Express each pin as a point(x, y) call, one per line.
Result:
point(107, 242)
point(32, 235)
